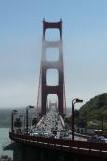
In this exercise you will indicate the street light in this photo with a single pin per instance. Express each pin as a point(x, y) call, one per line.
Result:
point(12, 119)
point(74, 101)
point(27, 109)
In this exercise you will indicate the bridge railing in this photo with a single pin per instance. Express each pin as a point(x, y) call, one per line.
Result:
point(59, 142)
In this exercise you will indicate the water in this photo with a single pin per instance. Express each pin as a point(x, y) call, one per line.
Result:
point(4, 140)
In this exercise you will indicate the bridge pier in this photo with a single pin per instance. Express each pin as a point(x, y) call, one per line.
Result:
point(17, 152)
point(28, 153)
point(22, 152)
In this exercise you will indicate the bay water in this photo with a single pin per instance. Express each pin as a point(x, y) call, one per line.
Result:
point(4, 140)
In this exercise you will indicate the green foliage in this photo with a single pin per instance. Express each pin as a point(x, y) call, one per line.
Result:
point(93, 114)
point(95, 110)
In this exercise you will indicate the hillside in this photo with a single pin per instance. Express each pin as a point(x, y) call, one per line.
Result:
point(95, 110)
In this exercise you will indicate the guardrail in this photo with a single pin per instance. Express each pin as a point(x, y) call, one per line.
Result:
point(68, 144)
point(81, 135)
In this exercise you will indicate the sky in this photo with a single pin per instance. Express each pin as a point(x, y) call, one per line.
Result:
point(84, 48)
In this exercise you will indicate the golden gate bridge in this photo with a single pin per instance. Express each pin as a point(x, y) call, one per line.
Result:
point(48, 139)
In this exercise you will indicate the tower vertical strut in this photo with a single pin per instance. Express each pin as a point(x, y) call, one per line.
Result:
point(46, 64)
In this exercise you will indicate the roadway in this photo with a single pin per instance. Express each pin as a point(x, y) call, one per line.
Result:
point(52, 124)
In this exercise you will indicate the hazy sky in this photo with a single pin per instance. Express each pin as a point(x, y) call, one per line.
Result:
point(85, 49)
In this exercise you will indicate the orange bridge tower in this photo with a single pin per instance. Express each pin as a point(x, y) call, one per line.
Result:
point(45, 89)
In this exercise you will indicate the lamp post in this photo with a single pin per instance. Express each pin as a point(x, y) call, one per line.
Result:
point(102, 123)
point(74, 101)
point(27, 124)
point(12, 119)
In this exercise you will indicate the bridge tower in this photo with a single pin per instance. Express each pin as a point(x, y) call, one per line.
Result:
point(59, 89)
